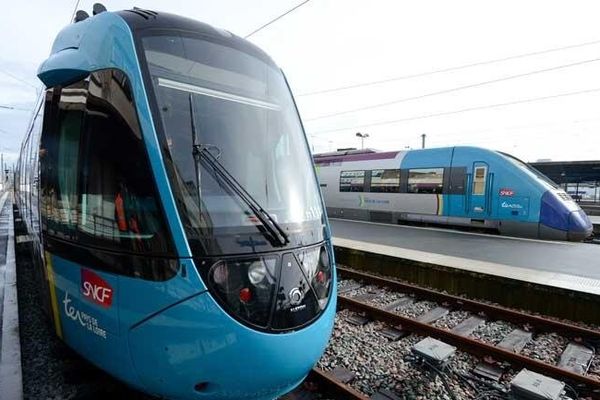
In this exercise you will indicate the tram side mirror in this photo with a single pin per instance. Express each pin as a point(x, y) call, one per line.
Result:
point(56, 76)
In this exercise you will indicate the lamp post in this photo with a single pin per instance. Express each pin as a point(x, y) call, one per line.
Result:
point(362, 137)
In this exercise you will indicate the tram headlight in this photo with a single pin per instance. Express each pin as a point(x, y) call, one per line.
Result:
point(257, 272)
point(245, 286)
point(220, 273)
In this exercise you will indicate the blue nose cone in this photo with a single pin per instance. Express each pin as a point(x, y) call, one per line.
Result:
point(580, 225)
point(564, 216)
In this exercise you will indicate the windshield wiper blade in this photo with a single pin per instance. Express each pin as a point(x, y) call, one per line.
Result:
point(201, 152)
point(276, 234)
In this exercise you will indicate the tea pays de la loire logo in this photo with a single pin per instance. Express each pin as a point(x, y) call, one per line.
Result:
point(85, 320)
point(506, 204)
point(96, 289)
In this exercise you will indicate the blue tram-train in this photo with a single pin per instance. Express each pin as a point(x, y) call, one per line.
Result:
point(180, 237)
point(459, 186)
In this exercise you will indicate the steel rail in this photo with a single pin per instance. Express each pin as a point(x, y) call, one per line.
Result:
point(490, 310)
point(475, 347)
point(333, 386)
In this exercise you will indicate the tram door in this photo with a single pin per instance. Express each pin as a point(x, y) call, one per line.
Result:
point(478, 201)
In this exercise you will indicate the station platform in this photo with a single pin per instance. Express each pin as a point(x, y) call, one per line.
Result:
point(596, 222)
point(567, 265)
point(591, 209)
point(10, 347)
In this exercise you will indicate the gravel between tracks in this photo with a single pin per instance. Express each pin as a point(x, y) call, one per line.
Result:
point(380, 363)
point(451, 319)
point(546, 347)
point(493, 332)
point(594, 370)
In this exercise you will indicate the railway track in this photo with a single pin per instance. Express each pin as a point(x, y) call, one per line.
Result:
point(374, 298)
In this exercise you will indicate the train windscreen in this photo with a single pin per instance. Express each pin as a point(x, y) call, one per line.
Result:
point(531, 170)
point(236, 107)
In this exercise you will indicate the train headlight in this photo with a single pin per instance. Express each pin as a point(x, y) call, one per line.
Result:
point(257, 272)
point(220, 273)
point(275, 292)
point(245, 286)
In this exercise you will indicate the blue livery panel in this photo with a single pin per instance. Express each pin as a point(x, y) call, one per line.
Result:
point(140, 302)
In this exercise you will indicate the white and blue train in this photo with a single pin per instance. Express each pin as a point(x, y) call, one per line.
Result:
point(180, 238)
point(458, 186)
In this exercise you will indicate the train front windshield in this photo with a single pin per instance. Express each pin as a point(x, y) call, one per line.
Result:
point(237, 107)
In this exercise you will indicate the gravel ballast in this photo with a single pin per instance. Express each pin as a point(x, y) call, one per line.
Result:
point(546, 347)
point(379, 363)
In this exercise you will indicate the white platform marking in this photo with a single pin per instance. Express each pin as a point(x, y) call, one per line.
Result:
point(453, 231)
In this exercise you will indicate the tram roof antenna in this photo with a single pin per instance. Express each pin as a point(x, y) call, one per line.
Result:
point(80, 15)
point(98, 8)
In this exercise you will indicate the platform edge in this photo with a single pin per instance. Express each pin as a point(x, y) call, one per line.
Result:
point(11, 379)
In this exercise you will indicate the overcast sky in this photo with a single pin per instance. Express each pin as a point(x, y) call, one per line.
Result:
point(327, 44)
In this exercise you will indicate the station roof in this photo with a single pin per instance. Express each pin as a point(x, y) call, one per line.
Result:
point(569, 171)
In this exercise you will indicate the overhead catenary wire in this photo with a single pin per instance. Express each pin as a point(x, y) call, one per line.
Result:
point(260, 28)
point(449, 69)
point(514, 139)
point(444, 138)
point(23, 81)
point(462, 110)
point(455, 89)
point(38, 89)
point(13, 108)
point(74, 10)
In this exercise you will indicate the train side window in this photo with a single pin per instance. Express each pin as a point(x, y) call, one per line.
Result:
point(457, 180)
point(425, 180)
point(37, 129)
point(385, 180)
point(24, 175)
point(479, 180)
point(352, 181)
point(59, 158)
point(119, 204)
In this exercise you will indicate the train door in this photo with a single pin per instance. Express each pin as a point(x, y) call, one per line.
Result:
point(478, 191)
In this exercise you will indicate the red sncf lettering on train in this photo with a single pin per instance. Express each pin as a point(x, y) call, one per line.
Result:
point(95, 288)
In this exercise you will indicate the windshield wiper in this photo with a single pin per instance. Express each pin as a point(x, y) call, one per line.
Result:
point(201, 152)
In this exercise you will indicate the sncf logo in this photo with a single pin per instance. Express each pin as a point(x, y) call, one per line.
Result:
point(95, 288)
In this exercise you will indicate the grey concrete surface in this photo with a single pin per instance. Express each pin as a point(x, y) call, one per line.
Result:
point(11, 381)
point(580, 259)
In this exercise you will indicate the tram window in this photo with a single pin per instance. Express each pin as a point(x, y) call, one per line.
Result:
point(479, 180)
point(59, 158)
point(425, 180)
point(352, 181)
point(35, 172)
point(385, 180)
point(119, 208)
